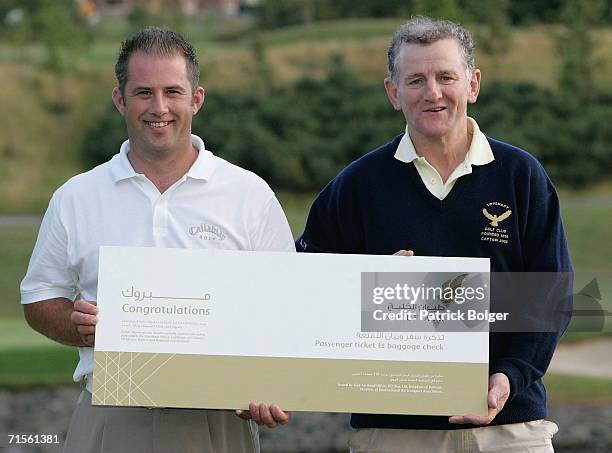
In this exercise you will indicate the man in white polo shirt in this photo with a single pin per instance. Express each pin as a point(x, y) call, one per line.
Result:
point(163, 189)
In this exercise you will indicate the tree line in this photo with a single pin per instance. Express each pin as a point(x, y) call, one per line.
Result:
point(280, 13)
point(299, 136)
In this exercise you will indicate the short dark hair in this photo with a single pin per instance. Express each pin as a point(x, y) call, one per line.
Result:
point(425, 30)
point(160, 42)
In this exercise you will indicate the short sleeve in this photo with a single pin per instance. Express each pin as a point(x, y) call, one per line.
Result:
point(48, 275)
point(272, 232)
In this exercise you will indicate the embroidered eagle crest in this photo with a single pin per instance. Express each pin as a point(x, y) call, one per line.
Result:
point(495, 219)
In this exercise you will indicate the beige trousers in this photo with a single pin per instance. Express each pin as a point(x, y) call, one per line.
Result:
point(528, 437)
point(96, 429)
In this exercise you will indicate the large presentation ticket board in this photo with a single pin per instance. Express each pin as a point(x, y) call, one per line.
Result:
point(309, 332)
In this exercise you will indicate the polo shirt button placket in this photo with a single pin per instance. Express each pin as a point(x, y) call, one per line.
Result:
point(160, 216)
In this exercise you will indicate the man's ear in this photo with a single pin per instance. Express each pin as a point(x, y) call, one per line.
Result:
point(474, 86)
point(392, 94)
point(118, 100)
point(198, 99)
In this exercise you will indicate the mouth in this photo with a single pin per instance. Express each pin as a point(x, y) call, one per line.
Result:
point(435, 109)
point(157, 124)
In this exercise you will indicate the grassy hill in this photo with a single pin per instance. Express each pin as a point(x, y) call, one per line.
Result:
point(39, 147)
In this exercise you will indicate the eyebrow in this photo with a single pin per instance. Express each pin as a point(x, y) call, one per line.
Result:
point(448, 71)
point(420, 74)
point(414, 74)
point(171, 87)
point(176, 87)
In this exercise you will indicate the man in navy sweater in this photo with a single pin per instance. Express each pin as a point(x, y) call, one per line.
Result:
point(445, 189)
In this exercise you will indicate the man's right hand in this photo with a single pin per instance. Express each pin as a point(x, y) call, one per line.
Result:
point(84, 318)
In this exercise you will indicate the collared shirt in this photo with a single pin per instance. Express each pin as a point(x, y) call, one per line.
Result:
point(479, 153)
point(215, 205)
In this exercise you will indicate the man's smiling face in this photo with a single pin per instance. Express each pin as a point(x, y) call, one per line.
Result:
point(158, 103)
point(433, 89)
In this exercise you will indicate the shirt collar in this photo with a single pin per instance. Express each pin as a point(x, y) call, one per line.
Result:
point(202, 168)
point(479, 153)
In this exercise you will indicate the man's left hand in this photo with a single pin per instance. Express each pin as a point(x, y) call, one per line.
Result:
point(262, 414)
point(499, 391)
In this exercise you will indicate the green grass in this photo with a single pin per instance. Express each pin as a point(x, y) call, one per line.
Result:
point(16, 334)
point(336, 30)
point(296, 209)
point(566, 388)
point(588, 231)
point(16, 244)
point(37, 366)
point(577, 337)
point(30, 359)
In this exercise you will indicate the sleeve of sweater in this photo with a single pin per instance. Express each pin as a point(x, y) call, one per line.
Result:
point(333, 224)
point(525, 356)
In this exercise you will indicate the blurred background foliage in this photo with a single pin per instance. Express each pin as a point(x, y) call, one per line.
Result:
point(280, 13)
point(295, 86)
point(298, 137)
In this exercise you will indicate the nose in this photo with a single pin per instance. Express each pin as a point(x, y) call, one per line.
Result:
point(432, 91)
point(159, 104)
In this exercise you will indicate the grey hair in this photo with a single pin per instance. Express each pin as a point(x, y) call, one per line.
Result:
point(425, 30)
point(159, 42)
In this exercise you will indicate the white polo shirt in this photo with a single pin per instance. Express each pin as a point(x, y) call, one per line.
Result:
point(215, 205)
point(479, 153)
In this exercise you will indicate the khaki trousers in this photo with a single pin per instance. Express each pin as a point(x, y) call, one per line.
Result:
point(96, 429)
point(528, 437)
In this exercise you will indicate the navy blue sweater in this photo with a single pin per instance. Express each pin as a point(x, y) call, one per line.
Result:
point(379, 205)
